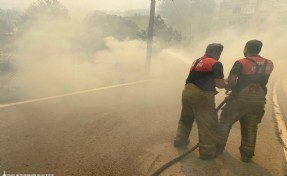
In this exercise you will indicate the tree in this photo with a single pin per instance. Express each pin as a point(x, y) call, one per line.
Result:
point(45, 10)
point(119, 27)
point(193, 18)
point(8, 23)
point(100, 25)
point(163, 32)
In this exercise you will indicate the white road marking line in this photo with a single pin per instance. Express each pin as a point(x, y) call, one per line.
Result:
point(71, 94)
point(284, 83)
point(285, 152)
point(282, 130)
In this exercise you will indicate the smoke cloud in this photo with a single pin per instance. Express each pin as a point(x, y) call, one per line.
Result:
point(49, 60)
point(83, 5)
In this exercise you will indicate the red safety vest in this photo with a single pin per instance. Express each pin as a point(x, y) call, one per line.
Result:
point(254, 75)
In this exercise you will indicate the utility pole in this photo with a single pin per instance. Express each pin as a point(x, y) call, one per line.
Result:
point(150, 36)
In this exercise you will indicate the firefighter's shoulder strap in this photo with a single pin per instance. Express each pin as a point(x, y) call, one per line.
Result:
point(261, 68)
point(196, 63)
point(255, 78)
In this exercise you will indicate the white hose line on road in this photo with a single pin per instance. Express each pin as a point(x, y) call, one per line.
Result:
point(279, 117)
point(70, 94)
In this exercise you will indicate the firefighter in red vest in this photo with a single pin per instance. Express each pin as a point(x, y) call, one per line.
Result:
point(198, 102)
point(248, 78)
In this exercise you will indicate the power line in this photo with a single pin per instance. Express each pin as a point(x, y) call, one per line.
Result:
point(177, 9)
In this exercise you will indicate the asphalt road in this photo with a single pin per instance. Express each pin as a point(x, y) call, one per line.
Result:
point(120, 132)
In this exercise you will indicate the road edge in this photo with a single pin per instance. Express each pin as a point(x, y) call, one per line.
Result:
point(279, 117)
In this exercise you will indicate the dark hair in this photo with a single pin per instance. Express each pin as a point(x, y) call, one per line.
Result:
point(253, 46)
point(214, 48)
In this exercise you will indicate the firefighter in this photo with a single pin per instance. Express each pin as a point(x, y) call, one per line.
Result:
point(198, 102)
point(248, 78)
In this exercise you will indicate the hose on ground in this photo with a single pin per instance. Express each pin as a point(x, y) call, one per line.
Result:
point(175, 160)
point(170, 163)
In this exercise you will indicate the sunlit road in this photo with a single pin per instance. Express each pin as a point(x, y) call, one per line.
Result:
point(282, 92)
point(120, 131)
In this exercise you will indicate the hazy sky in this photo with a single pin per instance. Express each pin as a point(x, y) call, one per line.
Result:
point(84, 4)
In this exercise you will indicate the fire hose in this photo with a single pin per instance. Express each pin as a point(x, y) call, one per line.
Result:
point(177, 159)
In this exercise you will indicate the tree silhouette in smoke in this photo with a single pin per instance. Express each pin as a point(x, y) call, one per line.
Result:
point(163, 32)
point(192, 18)
point(119, 27)
point(46, 9)
point(101, 25)
point(9, 20)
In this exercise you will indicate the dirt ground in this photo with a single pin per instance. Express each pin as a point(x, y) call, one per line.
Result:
point(121, 132)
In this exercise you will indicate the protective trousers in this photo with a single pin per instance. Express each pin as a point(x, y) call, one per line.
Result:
point(199, 105)
point(249, 114)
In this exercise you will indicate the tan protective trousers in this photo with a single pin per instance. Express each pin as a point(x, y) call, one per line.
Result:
point(249, 113)
point(199, 105)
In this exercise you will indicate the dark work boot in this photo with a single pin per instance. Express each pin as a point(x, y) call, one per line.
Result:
point(219, 149)
point(182, 135)
point(206, 157)
point(246, 159)
point(180, 141)
point(246, 156)
point(207, 152)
